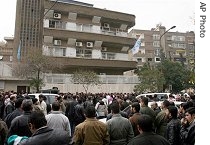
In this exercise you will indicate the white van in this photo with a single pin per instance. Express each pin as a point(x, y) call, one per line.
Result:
point(160, 96)
point(50, 97)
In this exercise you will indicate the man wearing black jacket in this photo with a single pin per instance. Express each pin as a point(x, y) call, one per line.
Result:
point(147, 136)
point(43, 135)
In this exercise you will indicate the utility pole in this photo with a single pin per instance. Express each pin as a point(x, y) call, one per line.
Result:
point(163, 49)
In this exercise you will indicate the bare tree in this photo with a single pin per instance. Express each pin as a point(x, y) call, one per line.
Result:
point(33, 66)
point(86, 78)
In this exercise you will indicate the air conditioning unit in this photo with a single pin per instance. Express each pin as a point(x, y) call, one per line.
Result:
point(89, 44)
point(57, 42)
point(79, 44)
point(106, 25)
point(103, 49)
point(57, 16)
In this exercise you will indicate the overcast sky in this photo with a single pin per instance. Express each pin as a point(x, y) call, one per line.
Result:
point(148, 13)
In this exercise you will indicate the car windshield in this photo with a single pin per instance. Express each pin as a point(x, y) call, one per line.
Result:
point(162, 97)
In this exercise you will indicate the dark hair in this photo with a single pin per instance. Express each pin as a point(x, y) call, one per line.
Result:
point(145, 100)
point(41, 96)
point(34, 100)
point(27, 97)
point(55, 106)
point(37, 118)
point(136, 106)
point(170, 95)
point(18, 102)
point(59, 98)
point(172, 103)
point(27, 105)
point(90, 111)
point(145, 122)
point(155, 95)
point(101, 102)
point(173, 110)
point(190, 110)
point(185, 106)
point(166, 103)
point(190, 104)
point(115, 107)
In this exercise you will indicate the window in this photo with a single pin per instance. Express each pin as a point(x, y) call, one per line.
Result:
point(57, 24)
point(156, 43)
point(60, 51)
point(156, 37)
point(110, 56)
point(83, 52)
point(157, 52)
point(139, 60)
point(178, 38)
point(142, 51)
point(157, 59)
point(178, 45)
point(149, 59)
point(191, 46)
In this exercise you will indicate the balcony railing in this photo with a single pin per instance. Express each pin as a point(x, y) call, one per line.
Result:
point(59, 51)
point(91, 28)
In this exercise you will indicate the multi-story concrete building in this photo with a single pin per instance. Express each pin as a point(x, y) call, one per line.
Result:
point(6, 50)
point(177, 46)
point(77, 34)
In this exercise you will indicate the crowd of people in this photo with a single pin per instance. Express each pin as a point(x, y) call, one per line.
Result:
point(95, 119)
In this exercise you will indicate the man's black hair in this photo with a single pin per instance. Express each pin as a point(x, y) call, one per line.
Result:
point(90, 111)
point(145, 122)
point(173, 110)
point(37, 118)
point(55, 106)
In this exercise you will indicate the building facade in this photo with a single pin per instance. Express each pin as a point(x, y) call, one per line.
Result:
point(76, 34)
point(176, 46)
point(79, 35)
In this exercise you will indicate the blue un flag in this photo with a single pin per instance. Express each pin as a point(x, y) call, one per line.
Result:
point(19, 51)
point(136, 47)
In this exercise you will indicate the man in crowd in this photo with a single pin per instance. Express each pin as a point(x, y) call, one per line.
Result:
point(161, 119)
point(119, 128)
point(43, 135)
point(135, 108)
point(3, 132)
point(188, 127)
point(57, 120)
point(10, 106)
point(91, 131)
point(145, 109)
point(70, 112)
point(17, 112)
point(43, 104)
point(19, 125)
point(147, 136)
point(172, 133)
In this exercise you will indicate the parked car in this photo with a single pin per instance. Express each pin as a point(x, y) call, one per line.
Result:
point(160, 97)
point(50, 97)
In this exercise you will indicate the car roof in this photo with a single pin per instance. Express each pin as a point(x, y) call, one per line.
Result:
point(47, 94)
point(151, 94)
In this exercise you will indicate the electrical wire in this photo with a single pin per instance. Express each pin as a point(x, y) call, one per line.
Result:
point(45, 14)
